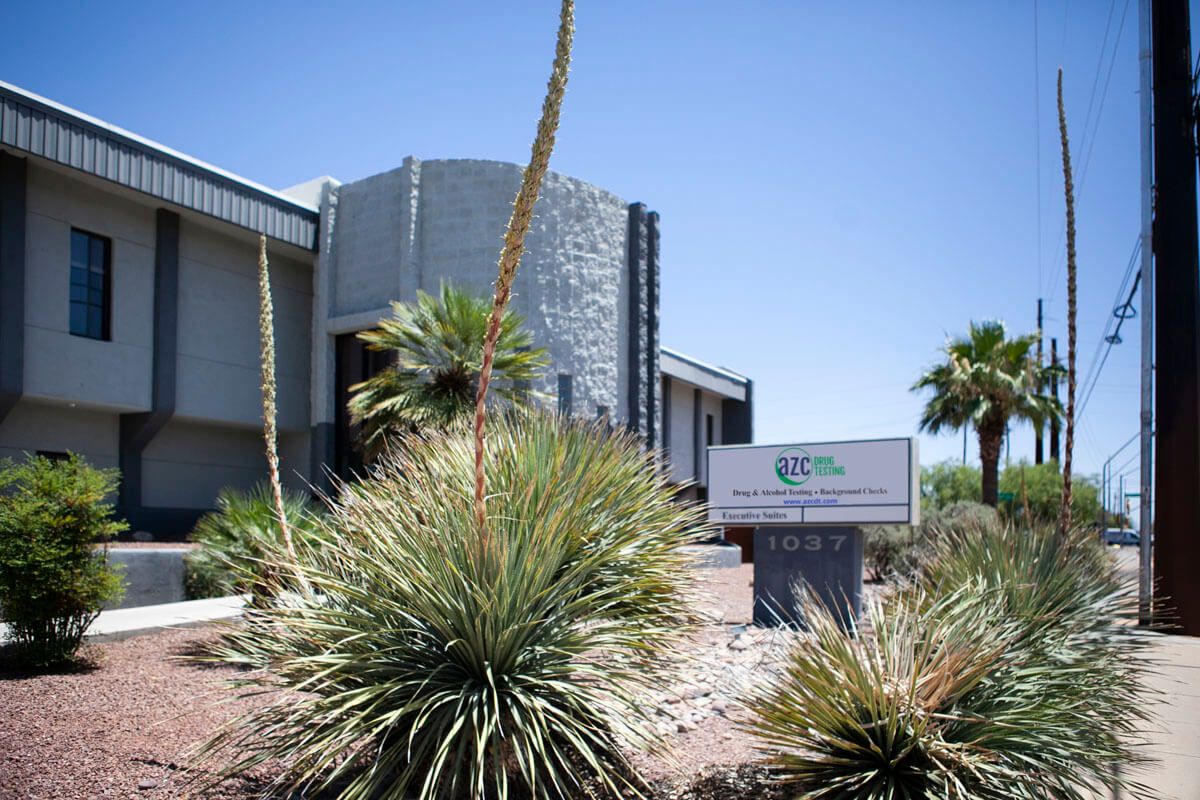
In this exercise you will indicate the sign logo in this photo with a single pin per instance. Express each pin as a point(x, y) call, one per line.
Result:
point(793, 466)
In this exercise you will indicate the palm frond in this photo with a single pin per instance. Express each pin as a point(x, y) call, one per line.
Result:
point(987, 378)
point(436, 345)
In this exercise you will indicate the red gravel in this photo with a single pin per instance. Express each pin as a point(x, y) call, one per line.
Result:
point(116, 729)
point(123, 727)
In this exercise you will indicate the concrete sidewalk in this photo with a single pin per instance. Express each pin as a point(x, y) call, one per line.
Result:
point(122, 623)
point(1175, 738)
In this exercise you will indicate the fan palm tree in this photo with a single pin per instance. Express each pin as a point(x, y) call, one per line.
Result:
point(437, 343)
point(988, 380)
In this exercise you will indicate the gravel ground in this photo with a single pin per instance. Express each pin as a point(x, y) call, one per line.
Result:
point(122, 726)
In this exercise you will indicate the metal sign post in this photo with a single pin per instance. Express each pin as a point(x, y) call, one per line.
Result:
point(807, 502)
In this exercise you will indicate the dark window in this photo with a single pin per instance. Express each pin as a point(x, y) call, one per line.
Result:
point(354, 363)
point(54, 455)
point(565, 394)
point(91, 284)
point(666, 414)
point(708, 430)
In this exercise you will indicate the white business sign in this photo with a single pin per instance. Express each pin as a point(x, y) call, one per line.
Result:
point(825, 483)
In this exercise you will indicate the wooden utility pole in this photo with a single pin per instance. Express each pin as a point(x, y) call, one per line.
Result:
point(1177, 301)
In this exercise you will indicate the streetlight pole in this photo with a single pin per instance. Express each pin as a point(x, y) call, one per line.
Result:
point(1104, 496)
point(1106, 478)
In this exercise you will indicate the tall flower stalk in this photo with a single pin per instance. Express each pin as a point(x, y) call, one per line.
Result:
point(1064, 516)
point(266, 338)
point(514, 238)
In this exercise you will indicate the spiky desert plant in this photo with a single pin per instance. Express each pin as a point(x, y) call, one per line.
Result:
point(1072, 612)
point(437, 344)
point(428, 664)
point(514, 238)
point(874, 717)
point(238, 541)
point(1002, 673)
point(1064, 520)
point(266, 338)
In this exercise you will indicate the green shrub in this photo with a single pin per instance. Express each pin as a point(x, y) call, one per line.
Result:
point(949, 482)
point(1043, 489)
point(898, 551)
point(239, 540)
point(890, 551)
point(1008, 670)
point(437, 662)
point(52, 579)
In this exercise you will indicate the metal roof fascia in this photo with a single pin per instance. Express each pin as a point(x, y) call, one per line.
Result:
point(191, 184)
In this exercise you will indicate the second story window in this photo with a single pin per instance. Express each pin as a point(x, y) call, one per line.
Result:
point(91, 284)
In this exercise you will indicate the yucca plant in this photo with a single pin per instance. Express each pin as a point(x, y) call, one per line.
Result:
point(1071, 607)
point(876, 718)
point(428, 664)
point(239, 544)
point(449, 652)
point(1008, 670)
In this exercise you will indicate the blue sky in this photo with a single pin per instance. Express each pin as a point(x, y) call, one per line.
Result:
point(841, 185)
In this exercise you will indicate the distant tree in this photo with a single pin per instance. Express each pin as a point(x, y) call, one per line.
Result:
point(987, 380)
point(437, 343)
point(948, 482)
point(1043, 488)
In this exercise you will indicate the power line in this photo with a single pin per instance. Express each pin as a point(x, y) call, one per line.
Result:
point(1087, 118)
point(1126, 310)
point(1121, 312)
point(1086, 143)
point(1128, 461)
point(1087, 161)
point(1037, 134)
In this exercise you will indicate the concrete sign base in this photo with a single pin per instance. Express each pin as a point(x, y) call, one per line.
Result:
point(828, 559)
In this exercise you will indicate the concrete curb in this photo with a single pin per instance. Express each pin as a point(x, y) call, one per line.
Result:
point(123, 623)
point(715, 556)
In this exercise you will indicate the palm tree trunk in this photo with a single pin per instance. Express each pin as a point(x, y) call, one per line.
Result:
point(990, 442)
